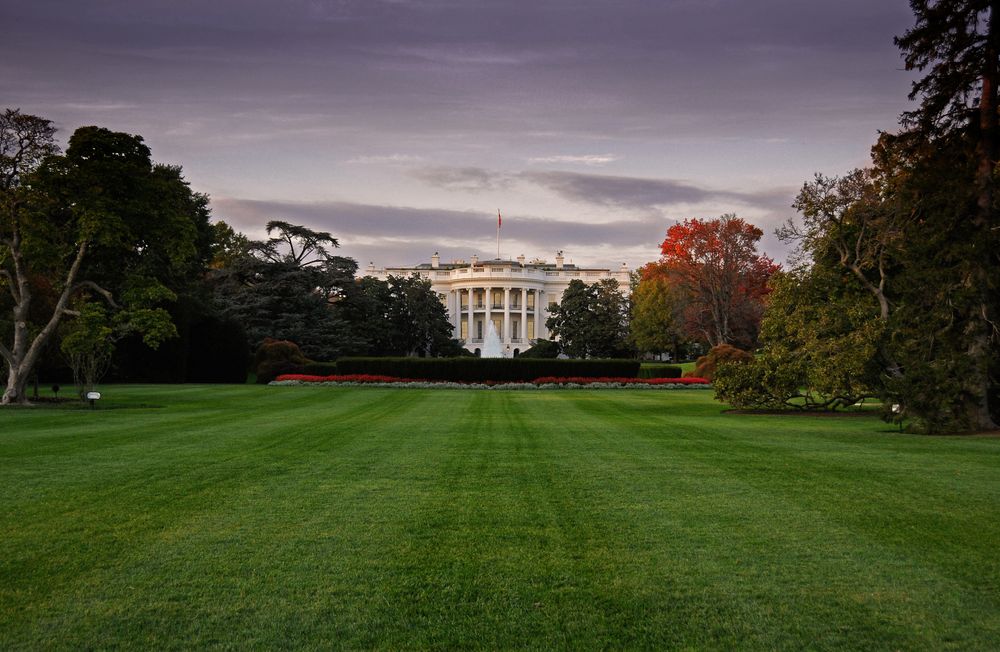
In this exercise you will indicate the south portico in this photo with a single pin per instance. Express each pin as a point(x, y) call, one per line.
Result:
point(514, 294)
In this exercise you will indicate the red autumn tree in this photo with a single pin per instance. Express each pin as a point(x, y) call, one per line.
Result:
point(723, 278)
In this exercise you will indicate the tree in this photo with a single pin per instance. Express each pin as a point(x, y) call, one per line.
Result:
point(542, 349)
point(715, 264)
point(958, 44)
point(418, 321)
point(656, 319)
point(591, 320)
point(821, 338)
point(291, 287)
point(99, 221)
point(88, 346)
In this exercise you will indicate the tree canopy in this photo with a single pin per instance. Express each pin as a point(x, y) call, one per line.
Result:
point(591, 321)
point(100, 222)
point(716, 267)
point(898, 289)
point(656, 323)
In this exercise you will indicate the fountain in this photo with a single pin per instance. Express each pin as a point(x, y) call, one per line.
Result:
point(492, 346)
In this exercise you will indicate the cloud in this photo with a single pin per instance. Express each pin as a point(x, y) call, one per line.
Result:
point(471, 179)
point(401, 235)
point(649, 194)
point(395, 159)
point(585, 159)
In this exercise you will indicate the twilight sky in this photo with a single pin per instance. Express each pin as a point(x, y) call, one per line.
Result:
point(402, 125)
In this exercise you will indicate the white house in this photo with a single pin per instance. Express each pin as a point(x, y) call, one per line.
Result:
point(514, 294)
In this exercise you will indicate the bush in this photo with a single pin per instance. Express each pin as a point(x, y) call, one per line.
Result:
point(319, 369)
point(542, 349)
point(484, 369)
point(276, 357)
point(757, 384)
point(724, 353)
point(659, 371)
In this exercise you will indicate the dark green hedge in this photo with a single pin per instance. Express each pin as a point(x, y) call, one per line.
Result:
point(483, 369)
point(659, 371)
point(319, 369)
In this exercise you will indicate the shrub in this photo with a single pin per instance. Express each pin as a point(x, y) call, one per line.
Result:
point(724, 353)
point(542, 349)
point(319, 369)
point(276, 357)
point(486, 369)
point(757, 384)
point(659, 371)
point(550, 380)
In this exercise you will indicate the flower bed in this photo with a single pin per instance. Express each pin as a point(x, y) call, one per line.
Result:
point(550, 380)
point(545, 382)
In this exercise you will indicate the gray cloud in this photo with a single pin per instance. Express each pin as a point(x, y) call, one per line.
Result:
point(398, 235)
point(585, 159)
point(643, 193)
point(462, 178)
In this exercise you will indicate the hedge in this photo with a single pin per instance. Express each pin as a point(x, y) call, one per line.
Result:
point(659, 371)
point(484, 369)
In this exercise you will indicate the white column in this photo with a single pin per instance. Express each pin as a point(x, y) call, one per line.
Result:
point(472, 321)
point(524, 316)
point(539, 326)
point(489, 312)
point(506, 315)
point(453, 315)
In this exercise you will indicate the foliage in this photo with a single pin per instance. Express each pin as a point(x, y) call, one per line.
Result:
point(209, 348)
point(821, 340)
point(951, 193)
point(542, 348)
point(718, 355)
point(897, 292)
point(545, 381)
point(88, 346)
point(276, 357)
point(761, 383)
point(416, 318)
point(291, 287)
point(484, 369)
point(591, 320)
point(656, 323)
point(100, 221)
point(659, 371)
point(714, 265)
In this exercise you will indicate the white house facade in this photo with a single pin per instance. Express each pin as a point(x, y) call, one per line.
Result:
point(513, 294)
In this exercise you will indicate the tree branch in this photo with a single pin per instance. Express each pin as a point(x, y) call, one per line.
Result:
point(11, 285)
point(96, 288)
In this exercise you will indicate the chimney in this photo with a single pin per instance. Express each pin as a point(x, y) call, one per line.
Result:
point(435, 260)
point(520, 260)
point(371, 266)
point(475, 260)
point(559, 259)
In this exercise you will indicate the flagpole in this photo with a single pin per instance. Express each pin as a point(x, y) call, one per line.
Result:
point(498, 233)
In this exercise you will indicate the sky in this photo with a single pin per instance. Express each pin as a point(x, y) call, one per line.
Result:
point(402, 126)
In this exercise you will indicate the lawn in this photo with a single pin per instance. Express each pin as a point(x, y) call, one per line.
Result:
point(243, 516)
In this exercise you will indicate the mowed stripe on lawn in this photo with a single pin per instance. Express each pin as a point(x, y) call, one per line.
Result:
point(314, 516)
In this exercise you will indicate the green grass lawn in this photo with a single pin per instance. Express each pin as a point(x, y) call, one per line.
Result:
point(243, 516)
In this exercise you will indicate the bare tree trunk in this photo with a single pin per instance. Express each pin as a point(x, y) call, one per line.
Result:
point(24, 355)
